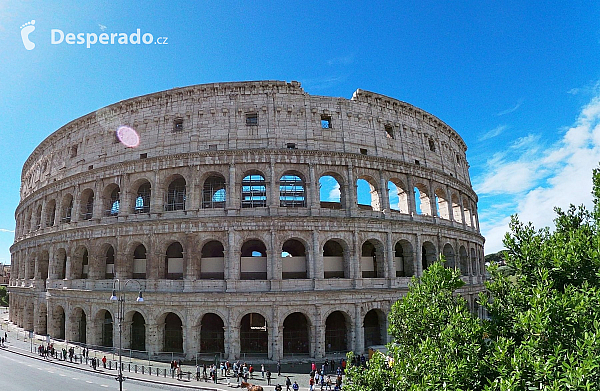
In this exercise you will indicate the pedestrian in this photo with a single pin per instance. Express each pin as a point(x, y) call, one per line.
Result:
point(104, 362)
point(278, 387)
point(288, 383)
point(268, 377)
point(311, 384)
point(94, 363)
point(179, 373)
point(251, 370)
point(262, 370)
point(197, 372)
point(278, 368)
point(295, 386)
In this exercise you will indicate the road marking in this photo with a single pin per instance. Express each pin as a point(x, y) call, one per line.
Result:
point(74, 378)
point(87, 381)
point(103, 385)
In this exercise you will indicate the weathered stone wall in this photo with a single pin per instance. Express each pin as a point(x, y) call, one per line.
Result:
point(60, 279)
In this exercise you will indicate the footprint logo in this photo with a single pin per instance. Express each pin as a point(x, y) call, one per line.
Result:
point(27, 29)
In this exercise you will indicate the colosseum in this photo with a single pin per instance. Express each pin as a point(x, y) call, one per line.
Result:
point(257, 220)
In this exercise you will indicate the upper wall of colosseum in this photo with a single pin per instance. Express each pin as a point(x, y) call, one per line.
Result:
point(247, 115)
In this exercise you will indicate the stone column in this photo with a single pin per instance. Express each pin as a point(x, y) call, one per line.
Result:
point(389, 256)
point(417, 262)
point(354, 257)
point(410, 194)
point(272, 190)
point(319, 333)
point(42, 221)
point(351, 205)
point(232, 262)
point(274, 266)
point(315, 266)
point(384, 194)
point(231, 191)
point(359, 330)
point(432, 203)
point(313, 193)
point(157, 195)
point(153, 344)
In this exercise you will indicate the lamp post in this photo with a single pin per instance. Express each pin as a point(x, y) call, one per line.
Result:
point(120, 299)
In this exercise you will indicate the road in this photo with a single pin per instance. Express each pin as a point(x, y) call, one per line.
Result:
point(21, 373)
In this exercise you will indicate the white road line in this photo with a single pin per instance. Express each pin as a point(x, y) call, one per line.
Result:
point(87, 381)
point(103, 385)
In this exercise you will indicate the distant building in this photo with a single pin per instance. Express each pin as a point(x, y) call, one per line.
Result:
point(222, 216)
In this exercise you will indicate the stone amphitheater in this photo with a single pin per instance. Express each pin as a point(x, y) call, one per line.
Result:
point(257, 220)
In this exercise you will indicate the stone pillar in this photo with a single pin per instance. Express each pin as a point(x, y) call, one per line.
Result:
point(76, 210)
point(190, 345)
point(313, 193)
point(417, 262)
point(354, 257)
point(69, 268)
point(462, 211)
point(232, 200)
point(274, 261)
point(432, 203)
point(42, 217)
point(390, 271)
point(153, 344)
point(272, 190)
point(350, 186)
point(275, 334)
point(410, 194)
point(315, 267)
point(125, 196)
point(233, 336)
point(157, 195)
point(191, 258)
point(384, 194)
point(359, 330)
point(319, 333)
point(232, 262)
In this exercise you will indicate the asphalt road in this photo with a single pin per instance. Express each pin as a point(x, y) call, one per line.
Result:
point(21, 373)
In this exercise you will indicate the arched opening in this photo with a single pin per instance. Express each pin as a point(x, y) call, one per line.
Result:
point(67, 209)
point(336, 333)
point(456, 209)
point(80, 264)
point(138, 332)
point(79, 320)
point(464, 261)
point(293, 259)
point(468, 216)
point(142, 198)
point(61, 263)
point(296, 334)
point(59, 321)
point(428, 255)
point(253, 261)
point(212, 261)
point(448, 252)
point(403, 259)
point(334, 262)
point(367, 195)
point(330, 193)
point(374, 326)
point(174, 262)
point(473, 262)
point(397, 196)
point(254, 191)
point(292, 191)
point(43, 264)
point(112, 200)
point(212, 334)
point(87, 204)
point(38, 217)
point(442, 204)
point(173, 337)
point(176, 194)
point(371, 260)
point(422, 201)
point(107, 330)
point(109, 273)
point(50, 213)
point(213, 192)
point(139, 262)
point(254, 335)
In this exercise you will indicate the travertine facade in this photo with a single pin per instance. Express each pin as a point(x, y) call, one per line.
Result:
point(240, 215)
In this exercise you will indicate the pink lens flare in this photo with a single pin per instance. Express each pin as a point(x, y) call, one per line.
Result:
point(128, 137)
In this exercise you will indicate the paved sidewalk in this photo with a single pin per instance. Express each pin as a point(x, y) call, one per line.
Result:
point(18, 342)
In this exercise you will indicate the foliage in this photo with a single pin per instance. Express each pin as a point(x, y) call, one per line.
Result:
point(3, 296)
point(543, 331)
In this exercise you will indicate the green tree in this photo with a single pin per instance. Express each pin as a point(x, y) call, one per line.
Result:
point(543, 331)
point(3, 297)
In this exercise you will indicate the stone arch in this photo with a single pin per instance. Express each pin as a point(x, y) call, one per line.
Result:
point(109, 263)
point(134, 331)
point(38, 217)
point(253, 260)
point(138, 259)
point(467, 211)
point(41, 318)
point(374, 327)
point(422, 199)
point(292, 190)
point(212, 261)
point(50, 212)
point(104, 322)
point(212, 333)
point(336, 254)
point(86, 204)
point(428, 254)
point(442, 204)
point(66, 208)
point(58, 322)
point(404, 259)
point(296, 334)
point(293, 259)
point(337, 332)
point(78, 320)
point(372, 259)
point(332, 191)
point(43, 265)
point(80, 263)
point(174, 261)
point(254, 190)
point(398, 196)
point(367, 193)
point(464, 261)
point(214, 192)
point(141, 191)
point(456, 209)
point(473, 262)
point(111, 200)
point(254, 334)
point(176, 193)
point(60, 263)
point(172, 332)
point(449, 256)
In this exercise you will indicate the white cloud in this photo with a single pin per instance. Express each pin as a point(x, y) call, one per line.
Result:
point(493, 133)
point(512, 109)
point(531, 178)
point(334, 194)
point(6, 230)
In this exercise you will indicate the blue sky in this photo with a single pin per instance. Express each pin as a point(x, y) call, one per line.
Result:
point(519, 81)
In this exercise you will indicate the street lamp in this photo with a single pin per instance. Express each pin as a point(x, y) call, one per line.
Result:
point(120, 299)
